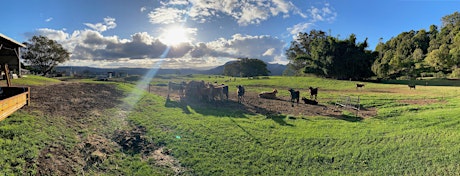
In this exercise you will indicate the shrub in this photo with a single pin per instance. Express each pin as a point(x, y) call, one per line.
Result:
point(455, 73)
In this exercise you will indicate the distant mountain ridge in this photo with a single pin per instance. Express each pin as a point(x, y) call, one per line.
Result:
point(275, 70)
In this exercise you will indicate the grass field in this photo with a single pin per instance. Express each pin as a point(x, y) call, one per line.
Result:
point(404, 138)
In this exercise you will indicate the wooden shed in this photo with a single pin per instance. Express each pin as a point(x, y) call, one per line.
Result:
point(10, 53)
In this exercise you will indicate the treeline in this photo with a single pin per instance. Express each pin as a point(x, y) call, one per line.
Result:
point(417, 53)
point(409, 55)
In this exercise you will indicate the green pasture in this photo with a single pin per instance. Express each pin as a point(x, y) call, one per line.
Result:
point(403, 138)
point(215, 139)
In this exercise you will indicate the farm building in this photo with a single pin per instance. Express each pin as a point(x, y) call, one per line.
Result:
point(10, 53)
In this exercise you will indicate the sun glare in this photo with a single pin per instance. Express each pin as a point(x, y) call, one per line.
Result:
point(174, 36)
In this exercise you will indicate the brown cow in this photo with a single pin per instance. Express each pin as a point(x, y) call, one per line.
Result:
point(269, 95)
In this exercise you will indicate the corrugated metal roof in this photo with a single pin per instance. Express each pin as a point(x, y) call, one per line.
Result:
point(12, 41)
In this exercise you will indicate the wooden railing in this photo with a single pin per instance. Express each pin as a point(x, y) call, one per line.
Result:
point(12, 99)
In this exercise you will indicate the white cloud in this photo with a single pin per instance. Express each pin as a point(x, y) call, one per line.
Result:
point(252, 14)
point(143, 9)
point(301, 27)
point(280, 6)
point(58, 35)
point(325, 13)
point(261, 47)
point(109, 23)
point(166, 15)
point(269, 52)
point(49, 19)
point(245, 12)
point(178, 2)
point(90, 47)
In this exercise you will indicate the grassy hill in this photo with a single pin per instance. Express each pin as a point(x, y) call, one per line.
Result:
point(415, 132)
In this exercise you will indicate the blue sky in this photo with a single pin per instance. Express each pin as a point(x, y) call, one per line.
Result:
point(207, 33)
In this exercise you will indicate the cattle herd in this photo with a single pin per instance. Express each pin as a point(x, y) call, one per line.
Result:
point(199, 90)
point(202, 91)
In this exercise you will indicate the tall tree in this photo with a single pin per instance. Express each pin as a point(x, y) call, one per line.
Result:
point(330, 57)
point(453, 19)
point(44, 54)
point(439, 59)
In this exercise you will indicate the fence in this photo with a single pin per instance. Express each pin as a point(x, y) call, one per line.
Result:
point(349, 102)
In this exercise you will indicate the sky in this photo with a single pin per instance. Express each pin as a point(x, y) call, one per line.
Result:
point(207, 33)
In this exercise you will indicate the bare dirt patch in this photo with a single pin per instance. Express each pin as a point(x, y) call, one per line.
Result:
point(74, 100)
point(78, 105)
point(272, 107)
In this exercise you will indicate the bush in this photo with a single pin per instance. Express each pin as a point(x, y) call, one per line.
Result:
point(455, 73)
point(403, 78)
point(440, 74)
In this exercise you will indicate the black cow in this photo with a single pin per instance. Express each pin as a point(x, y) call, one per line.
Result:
point(225, 90)
point(295, 95)
point(411, 86)
point(240, 92)
point(313, 92)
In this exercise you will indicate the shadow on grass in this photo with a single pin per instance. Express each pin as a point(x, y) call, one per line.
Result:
point(177, 104)
point(257, 141)
point(280, 119)
point(226, 108)
point(348, 117)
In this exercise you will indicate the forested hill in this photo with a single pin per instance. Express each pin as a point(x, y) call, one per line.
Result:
point(417, 53)
point(432, 52)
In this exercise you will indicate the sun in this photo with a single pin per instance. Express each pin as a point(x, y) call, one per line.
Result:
point(174, 36)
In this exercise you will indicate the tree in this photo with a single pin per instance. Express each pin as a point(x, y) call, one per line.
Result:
point(439, 59)
point(327, 56)
point(453, 19)
point(246, 67)
point(44, 54)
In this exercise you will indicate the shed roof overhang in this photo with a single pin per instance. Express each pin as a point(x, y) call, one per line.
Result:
point(8, 42)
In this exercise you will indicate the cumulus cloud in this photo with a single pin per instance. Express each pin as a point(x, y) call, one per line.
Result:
point(109, 23)
point(245, 12)
point(249, 46)
point(166, 15)
point(58, 35)
point(90, 46)
point(317, 14)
